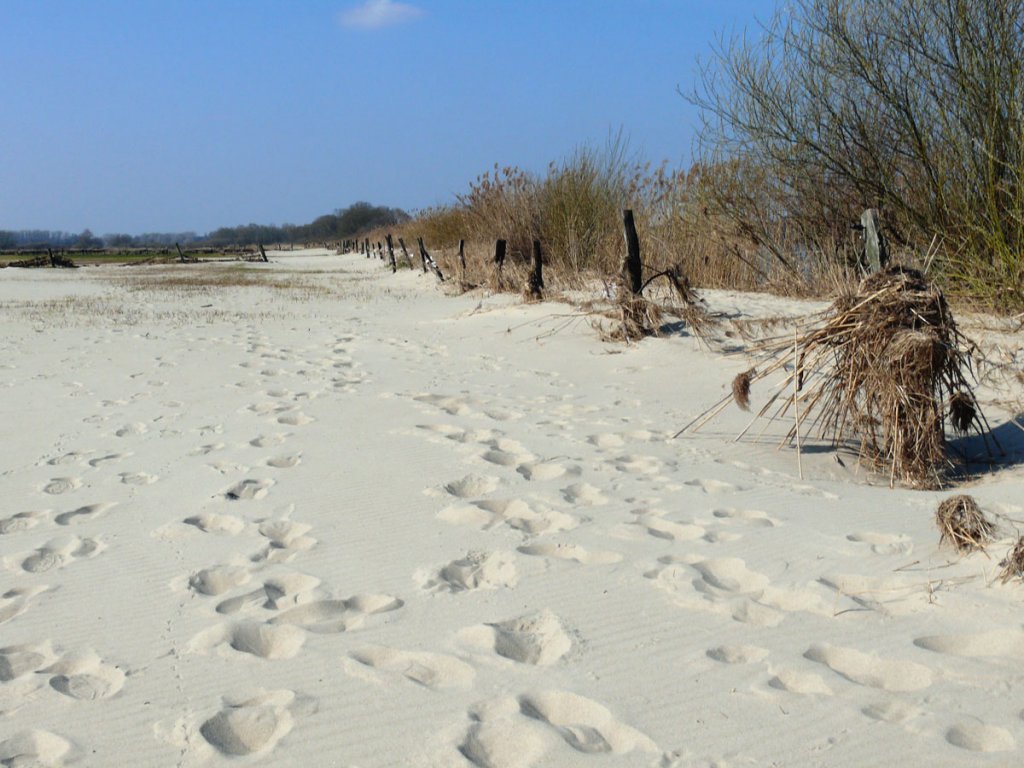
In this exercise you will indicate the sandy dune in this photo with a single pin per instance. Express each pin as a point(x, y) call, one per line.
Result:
point(339, 520)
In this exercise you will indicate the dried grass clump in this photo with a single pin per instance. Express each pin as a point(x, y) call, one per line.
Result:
point(962, 523)
point(1013, 564)
point(884, 366)
point(635, 316)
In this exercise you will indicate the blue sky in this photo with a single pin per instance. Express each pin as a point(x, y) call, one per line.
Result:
point(138, 116)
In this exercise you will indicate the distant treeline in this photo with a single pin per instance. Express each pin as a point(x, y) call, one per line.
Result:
point(343, 223)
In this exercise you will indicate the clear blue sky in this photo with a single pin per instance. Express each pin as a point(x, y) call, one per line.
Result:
point(143, 116)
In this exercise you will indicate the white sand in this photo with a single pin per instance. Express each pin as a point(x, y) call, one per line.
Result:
point(352, 523)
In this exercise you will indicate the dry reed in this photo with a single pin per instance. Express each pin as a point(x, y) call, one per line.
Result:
point(881, 366)
point(962, 523)
point(1013, 564)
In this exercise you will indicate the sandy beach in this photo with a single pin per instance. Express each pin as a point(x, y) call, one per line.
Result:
point(310, 513)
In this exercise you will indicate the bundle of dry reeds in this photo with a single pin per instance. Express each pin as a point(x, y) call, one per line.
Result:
point(884, 366)
point(636, 316)
point(962, 523)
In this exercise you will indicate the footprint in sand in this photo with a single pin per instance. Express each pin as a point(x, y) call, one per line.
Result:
point(584, 494)
point(468, 487)
point(295, 419)
point(34, 748)
point(210, 522)
point(546, 470)
point(804, 683)
point(22, 521)
point(871, 671)
point(251, 724)
point(981, 737)
point(501, 737)
point(59, 552)
point(205, 450)
point(884, 543)
point(583, 724)
point(657, 526)
point(19, 660)
point(574, 552)
point(15, 601)
point(754, 518)
point(219, 579)
point(737, 654)
point(132, 430)
point(138, 478)
point(85, 676)
point(537, 638)
point(73, 457)
point(62, 485)
point(265, 641)
point(431, 670)
point(532, 519)
point(640, 465)
point(477, 570)
point(268, 441)
point(715, 487)
point(248, 490)
point(228, 467)
point(84, 514)
point(333, 616)
point(110, 457)
point(286, 539)
point(1006, 643)
point(285, 461)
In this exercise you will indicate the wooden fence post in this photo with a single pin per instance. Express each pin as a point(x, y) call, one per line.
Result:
point(632, 268)
point(499, 254)
point(876, 250)
point(535, 283)
point(391, 253)
point(423, 254)
point(427, 259)
point(405, 252)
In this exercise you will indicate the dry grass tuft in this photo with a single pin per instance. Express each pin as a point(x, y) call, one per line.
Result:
point(741, 388)
point(1013, 564)
point(962, 523)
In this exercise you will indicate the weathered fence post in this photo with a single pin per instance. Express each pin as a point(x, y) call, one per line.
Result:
point(876, 250)
point(535, 283)
point(423, 254)
point(499, 255)
point(391, 253)
point(632, 268)
point(427, 259)
point(405, 252)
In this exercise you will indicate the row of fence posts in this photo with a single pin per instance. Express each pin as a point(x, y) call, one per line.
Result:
point(632, 267)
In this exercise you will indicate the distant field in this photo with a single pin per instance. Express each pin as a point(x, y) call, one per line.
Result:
point(93, 258)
